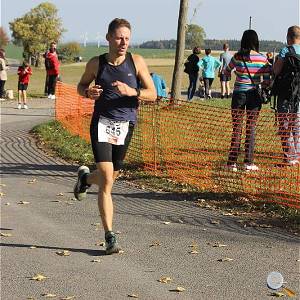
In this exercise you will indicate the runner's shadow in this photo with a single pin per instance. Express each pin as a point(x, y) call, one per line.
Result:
point(90, 252)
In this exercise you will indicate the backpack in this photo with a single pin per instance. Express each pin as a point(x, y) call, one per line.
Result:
point(191, 65)
point(287, 83)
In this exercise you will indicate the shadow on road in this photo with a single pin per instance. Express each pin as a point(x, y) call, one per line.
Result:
point(90, 252)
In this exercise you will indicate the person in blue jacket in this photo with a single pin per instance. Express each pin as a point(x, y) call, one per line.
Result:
point(160, 85)
point(208, 64)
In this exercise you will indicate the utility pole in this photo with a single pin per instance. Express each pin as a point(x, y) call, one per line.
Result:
point(180, 46)
point(250, 22)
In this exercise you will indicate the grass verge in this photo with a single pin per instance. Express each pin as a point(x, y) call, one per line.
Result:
point(54, 139)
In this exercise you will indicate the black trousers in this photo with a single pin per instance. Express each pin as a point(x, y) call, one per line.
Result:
point(2, 92)
point(52, 84)
point(241, 101)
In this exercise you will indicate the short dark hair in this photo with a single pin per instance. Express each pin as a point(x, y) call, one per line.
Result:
point(207, 51)
point(117, 23)
point(249, 42)
point(293, 32)
point(197, 50)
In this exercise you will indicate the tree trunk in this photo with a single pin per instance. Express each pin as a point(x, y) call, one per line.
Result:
point(180, 46)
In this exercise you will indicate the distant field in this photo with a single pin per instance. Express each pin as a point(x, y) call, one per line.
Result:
point(160, 61)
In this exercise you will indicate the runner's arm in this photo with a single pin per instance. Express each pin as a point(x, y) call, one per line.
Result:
point(87, 77)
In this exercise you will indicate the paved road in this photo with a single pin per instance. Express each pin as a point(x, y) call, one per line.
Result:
point(70, 225)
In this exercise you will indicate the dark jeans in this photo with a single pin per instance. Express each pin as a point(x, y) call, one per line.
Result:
point(2, 92)
point(192, 86)
point(240, 102)
point(52, 84)
point(289, 129)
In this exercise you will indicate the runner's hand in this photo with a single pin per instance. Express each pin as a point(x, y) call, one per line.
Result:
point(94, 92)
point(123, 89)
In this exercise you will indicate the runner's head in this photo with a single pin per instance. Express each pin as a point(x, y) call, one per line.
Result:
point(225, 47)
point(293, 35)
point(118, 36)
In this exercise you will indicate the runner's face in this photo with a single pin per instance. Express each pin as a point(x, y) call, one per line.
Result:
point(119, 40)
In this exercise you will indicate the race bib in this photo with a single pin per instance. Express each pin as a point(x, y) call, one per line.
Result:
point(112, 132)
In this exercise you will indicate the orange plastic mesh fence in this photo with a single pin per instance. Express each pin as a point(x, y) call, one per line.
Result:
point(190, 142)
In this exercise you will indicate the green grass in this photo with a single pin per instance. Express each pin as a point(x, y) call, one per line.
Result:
point(59, 142)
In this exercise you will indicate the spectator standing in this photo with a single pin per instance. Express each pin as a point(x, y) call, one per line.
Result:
point(192, 69)
point(116, 92)
point(24, 72)
point(52, 68)
point(225, 58)
point(3, 73)
point(208, 64)
point(160, 86)
point(288, 107)
point(245, 97)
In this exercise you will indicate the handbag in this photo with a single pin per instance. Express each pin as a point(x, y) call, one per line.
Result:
point(263, 94)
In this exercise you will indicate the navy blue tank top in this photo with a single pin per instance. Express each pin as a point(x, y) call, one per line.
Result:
point(111, 104)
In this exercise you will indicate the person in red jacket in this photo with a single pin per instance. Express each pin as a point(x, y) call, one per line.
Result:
point(24, 73)
point(52, 68)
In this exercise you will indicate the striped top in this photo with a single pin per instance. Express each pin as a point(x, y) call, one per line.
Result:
point(259, 69)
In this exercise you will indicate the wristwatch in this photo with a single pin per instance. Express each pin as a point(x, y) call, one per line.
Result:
point(138, 92)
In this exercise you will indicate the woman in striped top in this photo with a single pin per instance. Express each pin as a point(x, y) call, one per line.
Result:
point(245, 96)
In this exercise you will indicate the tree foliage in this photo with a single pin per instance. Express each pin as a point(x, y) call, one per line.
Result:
point(4, 39)
point(36, 29)
point(68, 50)
point(194, 36)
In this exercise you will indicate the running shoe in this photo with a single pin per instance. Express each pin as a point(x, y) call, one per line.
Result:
point(111, 243)
point(80, 187)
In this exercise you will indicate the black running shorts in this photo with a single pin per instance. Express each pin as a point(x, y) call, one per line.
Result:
point(22, 86)
point(106, 152)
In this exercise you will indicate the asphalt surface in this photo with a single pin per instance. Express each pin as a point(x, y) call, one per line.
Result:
point(53, 222)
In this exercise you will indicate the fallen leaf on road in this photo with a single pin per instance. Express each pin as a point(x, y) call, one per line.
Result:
point(38, 277)
point(180, 221)
point(23, 202)
point(165, 279)
point(118, 232)
point(2, 184)
point(227, 214)
point(49, 295)
point(5, 234)
point(32, 247)
point(2, 194)
point(178, 289)
point(69, 203)
point(277, 294)
point(96, 224)
point(193, 244)
point(155, 243)
point(63, 253)
point(298, 260)
point(289, 292)
point(30, 298)
point(32, 181)
point(166, 223)
point(7, 203)
point(68, 298)
point(96, 260)
point(218, 245)
point(60, 194)
point(194, 252)
point(121, 251)
point(133, 296)
point(265, 226)
point(225, 259)
point(101, 244)
point(216, 222)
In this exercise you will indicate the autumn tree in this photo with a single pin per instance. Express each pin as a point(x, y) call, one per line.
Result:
point(194, 36)
point(4, 39)
point(69, 50)
point(36, 29)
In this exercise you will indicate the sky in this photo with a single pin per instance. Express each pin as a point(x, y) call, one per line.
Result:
point(157, 19)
